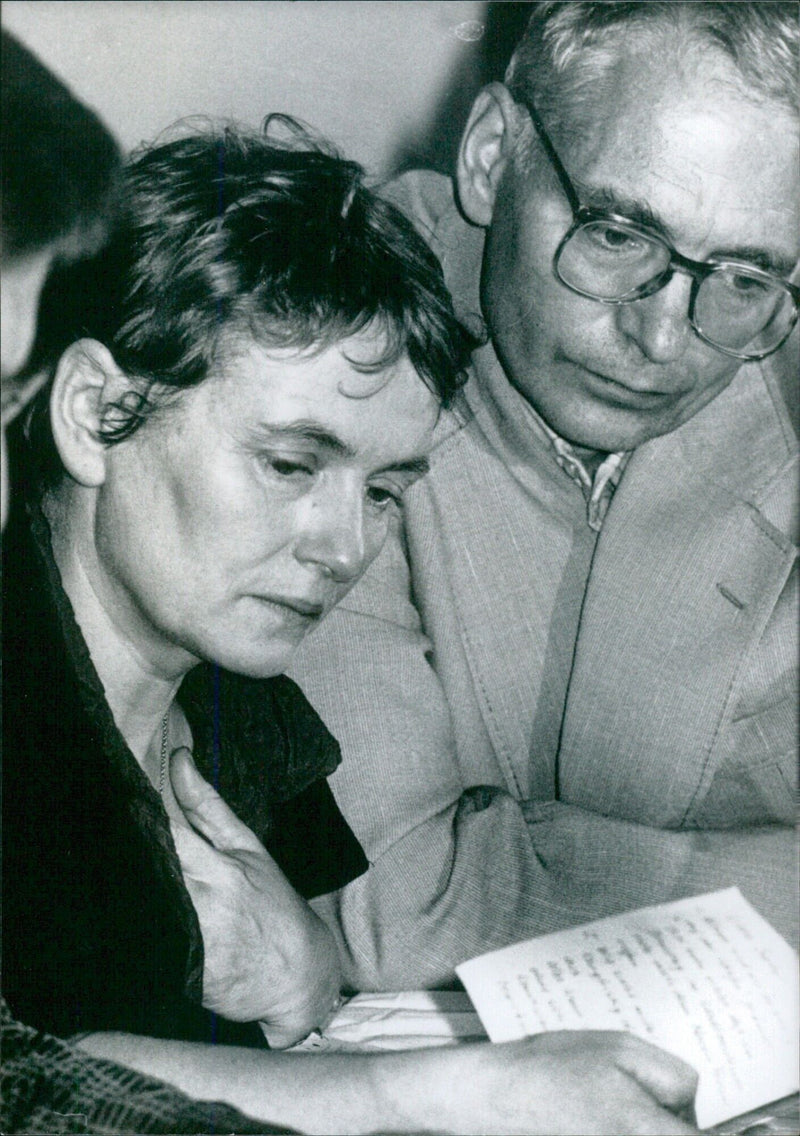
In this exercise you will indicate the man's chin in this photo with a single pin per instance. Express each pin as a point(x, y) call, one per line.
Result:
point(614, 436)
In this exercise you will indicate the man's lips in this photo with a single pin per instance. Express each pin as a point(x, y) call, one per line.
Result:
point(624, 393)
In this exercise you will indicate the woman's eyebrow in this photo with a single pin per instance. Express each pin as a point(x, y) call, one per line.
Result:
point(417, 467)
point(308, 432)
point(318, 435)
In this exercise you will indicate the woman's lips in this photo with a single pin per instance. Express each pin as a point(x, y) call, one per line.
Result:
point(296, 606)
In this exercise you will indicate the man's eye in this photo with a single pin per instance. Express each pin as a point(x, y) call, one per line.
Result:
point(740, 293)
point(383, 496)
point(747, 285)
point(613, 239)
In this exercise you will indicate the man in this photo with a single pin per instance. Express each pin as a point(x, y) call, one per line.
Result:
point(574, 671)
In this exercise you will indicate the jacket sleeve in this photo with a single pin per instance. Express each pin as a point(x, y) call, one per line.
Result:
point(458, 870)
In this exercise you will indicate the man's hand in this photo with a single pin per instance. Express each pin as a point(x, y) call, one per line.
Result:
point(268, 957)
point(560, 1083)
point(640, 1081)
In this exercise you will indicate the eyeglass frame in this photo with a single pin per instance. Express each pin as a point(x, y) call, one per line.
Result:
point(699, 270)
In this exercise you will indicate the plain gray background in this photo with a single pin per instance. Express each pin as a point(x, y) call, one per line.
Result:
point(378, 78)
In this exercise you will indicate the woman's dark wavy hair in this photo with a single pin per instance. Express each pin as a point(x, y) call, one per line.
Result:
point(273, 238)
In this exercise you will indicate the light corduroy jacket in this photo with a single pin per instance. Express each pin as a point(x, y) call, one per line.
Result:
point(630, 698)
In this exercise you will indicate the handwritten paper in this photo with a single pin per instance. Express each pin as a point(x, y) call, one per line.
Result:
point(706, 978)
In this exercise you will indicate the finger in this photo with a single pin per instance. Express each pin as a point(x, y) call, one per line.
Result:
point(666, 1077)
point(660, 1122)
point(205, 809)
point(201, 863)
point(280, 1036)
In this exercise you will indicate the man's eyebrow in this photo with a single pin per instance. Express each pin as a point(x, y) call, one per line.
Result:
point(767, 259)
point(416, 466)
point(606, 199)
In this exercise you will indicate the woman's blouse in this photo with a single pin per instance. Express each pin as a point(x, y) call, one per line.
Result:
point(99, 932)
point(50, 1086)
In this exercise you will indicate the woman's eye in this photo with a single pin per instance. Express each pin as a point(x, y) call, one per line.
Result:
point(289, 467)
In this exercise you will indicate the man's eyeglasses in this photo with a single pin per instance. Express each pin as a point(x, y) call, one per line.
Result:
point(737, 308)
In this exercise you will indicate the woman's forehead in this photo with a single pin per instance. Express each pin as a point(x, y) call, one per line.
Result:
point(334, 386)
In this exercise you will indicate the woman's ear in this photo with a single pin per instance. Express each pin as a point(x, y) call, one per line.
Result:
point(86, 382)
point(486, 149)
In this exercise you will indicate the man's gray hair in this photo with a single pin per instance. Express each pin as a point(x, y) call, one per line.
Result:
point(568, 48)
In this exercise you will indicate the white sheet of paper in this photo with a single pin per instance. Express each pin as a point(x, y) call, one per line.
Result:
point(705, 978)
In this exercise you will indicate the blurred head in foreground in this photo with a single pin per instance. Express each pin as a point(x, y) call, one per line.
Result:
point(59, 169)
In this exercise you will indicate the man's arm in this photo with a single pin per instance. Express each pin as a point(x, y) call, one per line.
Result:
point(456, 873)
point(464, 881)
point(616, 863)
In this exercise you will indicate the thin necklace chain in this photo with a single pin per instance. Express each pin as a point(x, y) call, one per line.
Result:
point(162, 772)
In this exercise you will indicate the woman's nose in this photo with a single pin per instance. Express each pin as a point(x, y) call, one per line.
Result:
point(659, 324)
point(333, 536)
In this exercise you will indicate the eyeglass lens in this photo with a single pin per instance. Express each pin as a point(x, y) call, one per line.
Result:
point(737, 310)
point(610, 261)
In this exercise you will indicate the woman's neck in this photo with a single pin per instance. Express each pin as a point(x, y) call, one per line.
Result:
point(139, 685)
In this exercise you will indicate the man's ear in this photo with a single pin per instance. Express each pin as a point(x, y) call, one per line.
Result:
point(86, 382)
point(486, 149)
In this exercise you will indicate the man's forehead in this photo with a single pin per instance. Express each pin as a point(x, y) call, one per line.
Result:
point(708, 167)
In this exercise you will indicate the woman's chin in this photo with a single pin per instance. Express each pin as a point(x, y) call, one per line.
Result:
point(257, 660)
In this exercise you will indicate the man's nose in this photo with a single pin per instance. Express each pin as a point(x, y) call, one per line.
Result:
point(333, 535)
point(659, 324)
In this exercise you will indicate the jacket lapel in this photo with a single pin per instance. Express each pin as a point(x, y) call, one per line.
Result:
point(504, 593)
point(688, 569)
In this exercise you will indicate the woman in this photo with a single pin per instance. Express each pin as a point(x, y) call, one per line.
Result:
point(221, 452)
point(235, 427)
point(59, 168)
